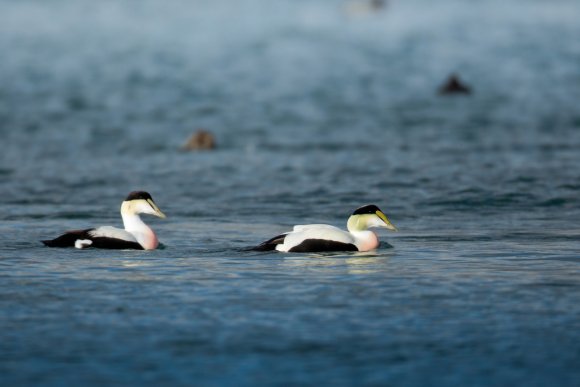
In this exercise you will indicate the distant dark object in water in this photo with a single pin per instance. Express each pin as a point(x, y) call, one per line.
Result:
point(359, 7)
point(378, 4)
point(454, 86)
point(200, 140)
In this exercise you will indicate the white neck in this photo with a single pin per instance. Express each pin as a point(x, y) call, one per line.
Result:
point(355, 223)
point(365, 239)
point(143, 233)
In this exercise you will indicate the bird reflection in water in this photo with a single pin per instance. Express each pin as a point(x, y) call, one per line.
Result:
point(368, 262)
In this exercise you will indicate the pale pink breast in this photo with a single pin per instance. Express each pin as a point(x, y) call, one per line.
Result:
point(150, 242)
point(369, 241)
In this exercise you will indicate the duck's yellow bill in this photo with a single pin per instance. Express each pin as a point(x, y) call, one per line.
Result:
point(156, 209)
point(388, 223)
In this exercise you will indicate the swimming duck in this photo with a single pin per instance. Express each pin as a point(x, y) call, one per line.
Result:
point(323, 237)
point(136, 235)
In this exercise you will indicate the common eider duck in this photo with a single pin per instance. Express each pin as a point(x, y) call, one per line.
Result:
point(136, 235)
point(323, 237)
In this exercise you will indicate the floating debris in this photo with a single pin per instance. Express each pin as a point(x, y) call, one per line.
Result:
point(360, 7)
point(453, 85)
point(200, 140)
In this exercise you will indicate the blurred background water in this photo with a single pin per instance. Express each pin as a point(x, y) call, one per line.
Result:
point(317, 107)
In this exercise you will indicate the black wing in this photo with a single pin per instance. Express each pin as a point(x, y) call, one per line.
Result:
point(70, 237)
point(270, 244)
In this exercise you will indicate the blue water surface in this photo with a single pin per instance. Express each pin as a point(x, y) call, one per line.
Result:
point(318, 107)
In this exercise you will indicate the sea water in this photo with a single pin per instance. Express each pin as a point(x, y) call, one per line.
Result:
point(316, 110)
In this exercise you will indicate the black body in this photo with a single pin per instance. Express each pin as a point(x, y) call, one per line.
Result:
point(321, 245)
point(70, 237)
point(307, 246)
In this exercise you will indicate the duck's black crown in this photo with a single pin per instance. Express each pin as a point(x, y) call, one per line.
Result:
point(368, 209)
point(136, 195)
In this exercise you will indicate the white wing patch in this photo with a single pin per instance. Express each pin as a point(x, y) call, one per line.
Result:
point(112, 232)
point(82, 243)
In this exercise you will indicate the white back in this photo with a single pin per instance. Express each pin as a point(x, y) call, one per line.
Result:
point(303, 227)
point(317, 231)
point(113, 232)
